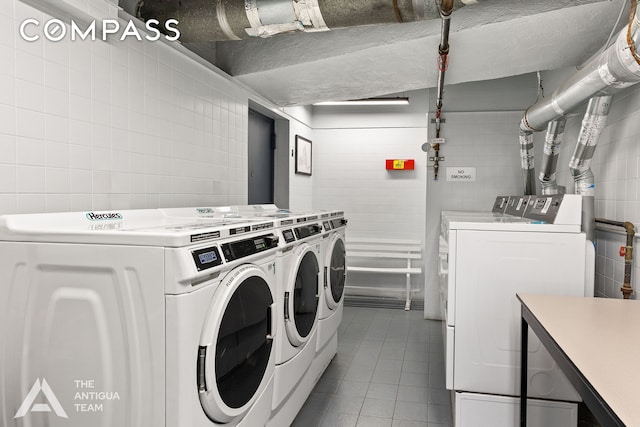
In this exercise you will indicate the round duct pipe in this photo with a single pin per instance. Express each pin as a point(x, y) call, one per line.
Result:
point(617, 68)
point(219, 20)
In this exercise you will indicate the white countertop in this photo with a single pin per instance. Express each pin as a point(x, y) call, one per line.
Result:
point(601, 336)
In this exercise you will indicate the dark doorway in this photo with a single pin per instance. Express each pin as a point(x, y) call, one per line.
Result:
point(261, 158)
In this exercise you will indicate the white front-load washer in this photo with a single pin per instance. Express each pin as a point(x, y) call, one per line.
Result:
point(299, 300)
point(132, 318)
point(332, 294)
point(300, 267)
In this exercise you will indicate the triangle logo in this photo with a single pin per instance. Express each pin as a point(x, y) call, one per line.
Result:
point(29, 405)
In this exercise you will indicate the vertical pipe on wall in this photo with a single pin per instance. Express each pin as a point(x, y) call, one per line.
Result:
point(446, 7)
point(593, 122)
point(552, 141)
point(625, 251)
point(526, 161)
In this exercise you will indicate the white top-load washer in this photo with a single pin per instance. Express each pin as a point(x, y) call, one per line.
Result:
point(485, 259)
point(132, 318)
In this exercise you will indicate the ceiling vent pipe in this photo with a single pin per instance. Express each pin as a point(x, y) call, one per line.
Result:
point(552, 141)
point(219, 20)
point(616, 68)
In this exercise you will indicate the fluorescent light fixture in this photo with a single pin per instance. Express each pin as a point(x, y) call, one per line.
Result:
point(368, 101)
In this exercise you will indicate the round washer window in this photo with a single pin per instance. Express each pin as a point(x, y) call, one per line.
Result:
point(242, 346)
point(305, 294)
point(337, 270)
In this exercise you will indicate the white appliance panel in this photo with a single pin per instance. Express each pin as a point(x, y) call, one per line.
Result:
point(450, 281)
point(491, 267)
point(90, 313)
point(475, 410)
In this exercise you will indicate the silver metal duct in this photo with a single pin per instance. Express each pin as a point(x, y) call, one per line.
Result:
point(616, 68)
point(552, 141)
point(593, 122)
point(217, 20)
point(526, 161)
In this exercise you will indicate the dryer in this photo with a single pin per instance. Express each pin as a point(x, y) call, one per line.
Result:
point(132, 318)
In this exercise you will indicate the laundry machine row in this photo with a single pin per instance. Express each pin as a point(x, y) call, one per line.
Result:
point(329, 227)
point(310, 267)
point(135, 318)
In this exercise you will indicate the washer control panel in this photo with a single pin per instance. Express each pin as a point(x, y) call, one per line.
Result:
point(243, 248)
point(308, 230)
point(544, 208)
point(288, 235)
point(206, 258)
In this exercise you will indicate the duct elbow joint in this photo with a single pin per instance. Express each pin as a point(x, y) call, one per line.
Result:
point(525, 128)
point(583, 181)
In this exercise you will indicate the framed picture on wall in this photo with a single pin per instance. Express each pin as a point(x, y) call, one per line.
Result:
point(303, 155)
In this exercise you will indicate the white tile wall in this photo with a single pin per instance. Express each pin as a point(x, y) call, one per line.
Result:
point(487, 141)
point(302, 191)
point(616, 166)
point(349, 174)
point(95, 125)
point(350, 152)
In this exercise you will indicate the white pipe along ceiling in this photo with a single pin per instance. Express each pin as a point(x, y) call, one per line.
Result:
point(375, 49)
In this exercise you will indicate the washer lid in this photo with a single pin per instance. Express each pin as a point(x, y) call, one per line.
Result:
point(504, 223)
point(144, 227)
point(235, 353)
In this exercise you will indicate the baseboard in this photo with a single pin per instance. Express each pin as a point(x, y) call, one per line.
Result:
point(381, 302)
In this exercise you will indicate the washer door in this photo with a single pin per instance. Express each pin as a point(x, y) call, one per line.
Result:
point(335, 272)
point(301, 296)
point(236, 344)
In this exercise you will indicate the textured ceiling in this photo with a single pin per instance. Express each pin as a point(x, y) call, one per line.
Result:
point(488, 40)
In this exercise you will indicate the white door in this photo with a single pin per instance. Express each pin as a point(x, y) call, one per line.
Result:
point(235, 357)
point(301, 295)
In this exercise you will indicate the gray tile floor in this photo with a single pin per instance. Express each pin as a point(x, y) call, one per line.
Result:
point(389, 372)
